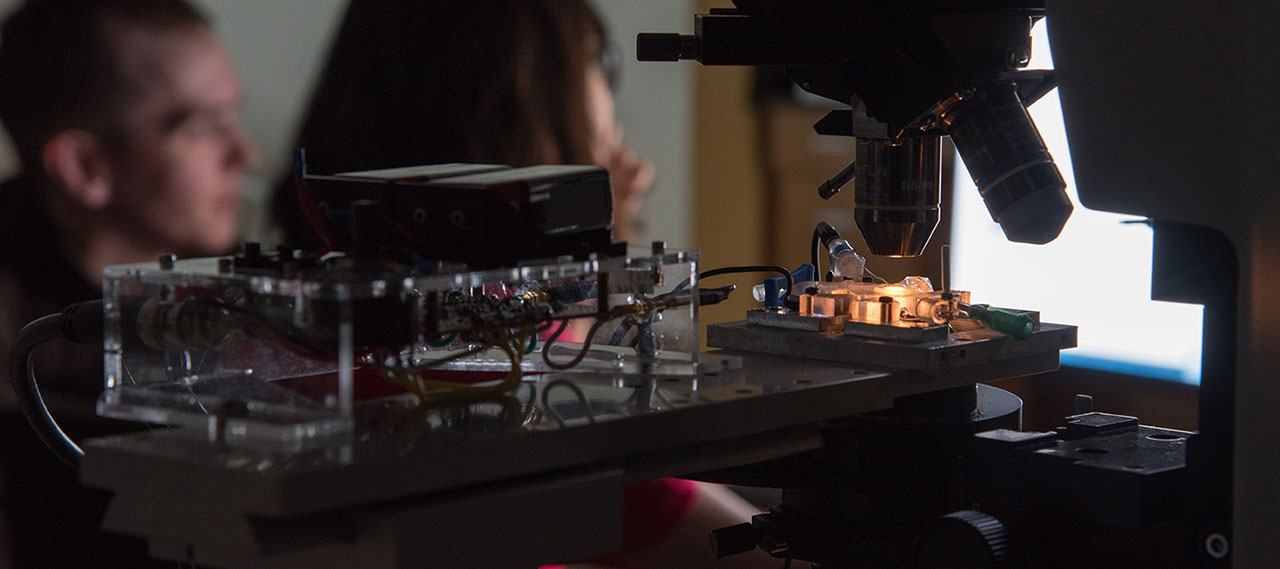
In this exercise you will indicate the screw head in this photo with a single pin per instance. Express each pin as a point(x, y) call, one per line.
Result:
point(1217, 545)
point(1017, 57)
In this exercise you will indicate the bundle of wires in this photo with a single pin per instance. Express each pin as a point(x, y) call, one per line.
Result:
point(515, 344)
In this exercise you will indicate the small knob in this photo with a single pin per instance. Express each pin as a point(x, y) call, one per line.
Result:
point(963, 540)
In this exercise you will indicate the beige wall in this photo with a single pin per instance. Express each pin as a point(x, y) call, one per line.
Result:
point(728, 182)
point(655, 106)
point(279, 46)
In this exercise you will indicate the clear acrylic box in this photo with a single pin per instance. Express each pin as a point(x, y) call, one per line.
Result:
point(285, 353)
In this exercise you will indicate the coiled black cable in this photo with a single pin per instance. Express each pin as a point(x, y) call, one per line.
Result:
point(80, 323)
point(586, 345)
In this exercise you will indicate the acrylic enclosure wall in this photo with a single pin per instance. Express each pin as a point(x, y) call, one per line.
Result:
point(281, 352)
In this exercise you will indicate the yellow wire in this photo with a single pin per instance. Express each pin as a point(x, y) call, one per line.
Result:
point(436, 392)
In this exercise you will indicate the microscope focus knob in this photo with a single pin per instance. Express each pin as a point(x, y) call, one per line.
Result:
point(963, 540)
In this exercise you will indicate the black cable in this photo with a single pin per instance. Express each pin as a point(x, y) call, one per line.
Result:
point(586, 346)
point(813, 253)
point(825, 233)
point(528, 407)
point(791, 281)
point(582, 398)
point(81, 323)
point(620, 333)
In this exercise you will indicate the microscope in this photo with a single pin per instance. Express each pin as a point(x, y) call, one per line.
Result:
point(878, 493)
point(910, 75)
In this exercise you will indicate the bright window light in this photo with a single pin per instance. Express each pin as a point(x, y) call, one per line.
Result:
point(1096, 275)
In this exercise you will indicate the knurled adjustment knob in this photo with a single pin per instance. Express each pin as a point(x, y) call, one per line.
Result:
point(963, 540)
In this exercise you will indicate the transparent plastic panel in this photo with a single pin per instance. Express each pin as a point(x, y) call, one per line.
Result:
point(621, 315)
point(241, 357)
point(281, 355)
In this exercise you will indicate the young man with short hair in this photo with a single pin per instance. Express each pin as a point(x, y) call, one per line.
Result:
point(124, 116)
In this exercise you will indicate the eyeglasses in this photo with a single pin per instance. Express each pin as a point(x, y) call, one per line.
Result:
point(610, 63)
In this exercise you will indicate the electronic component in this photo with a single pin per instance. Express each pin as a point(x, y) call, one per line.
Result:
point(845, 262)
point(280, 349)
point(308, 375)
point(770, 292)
point(903, 325)
point(911, 301)
point(484, 216)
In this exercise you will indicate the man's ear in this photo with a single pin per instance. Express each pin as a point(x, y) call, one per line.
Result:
point(76, 161)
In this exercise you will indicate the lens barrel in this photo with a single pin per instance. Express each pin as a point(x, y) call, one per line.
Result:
point(1007, 158)
point(897, 189)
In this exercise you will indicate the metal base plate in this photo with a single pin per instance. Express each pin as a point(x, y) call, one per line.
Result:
point(957, 350)
point(402, 474)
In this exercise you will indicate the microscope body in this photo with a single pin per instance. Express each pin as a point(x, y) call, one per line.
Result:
point(1163, 109)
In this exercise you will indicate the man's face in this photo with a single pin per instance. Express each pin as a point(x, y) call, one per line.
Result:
point(178, 164)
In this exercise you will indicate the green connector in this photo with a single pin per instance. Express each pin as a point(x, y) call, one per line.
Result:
point(1016, 326)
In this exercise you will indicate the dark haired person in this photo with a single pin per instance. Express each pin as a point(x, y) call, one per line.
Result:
point(124, 117)
point(517, 82)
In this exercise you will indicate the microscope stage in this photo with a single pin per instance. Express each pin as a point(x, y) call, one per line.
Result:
point(247, 506)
